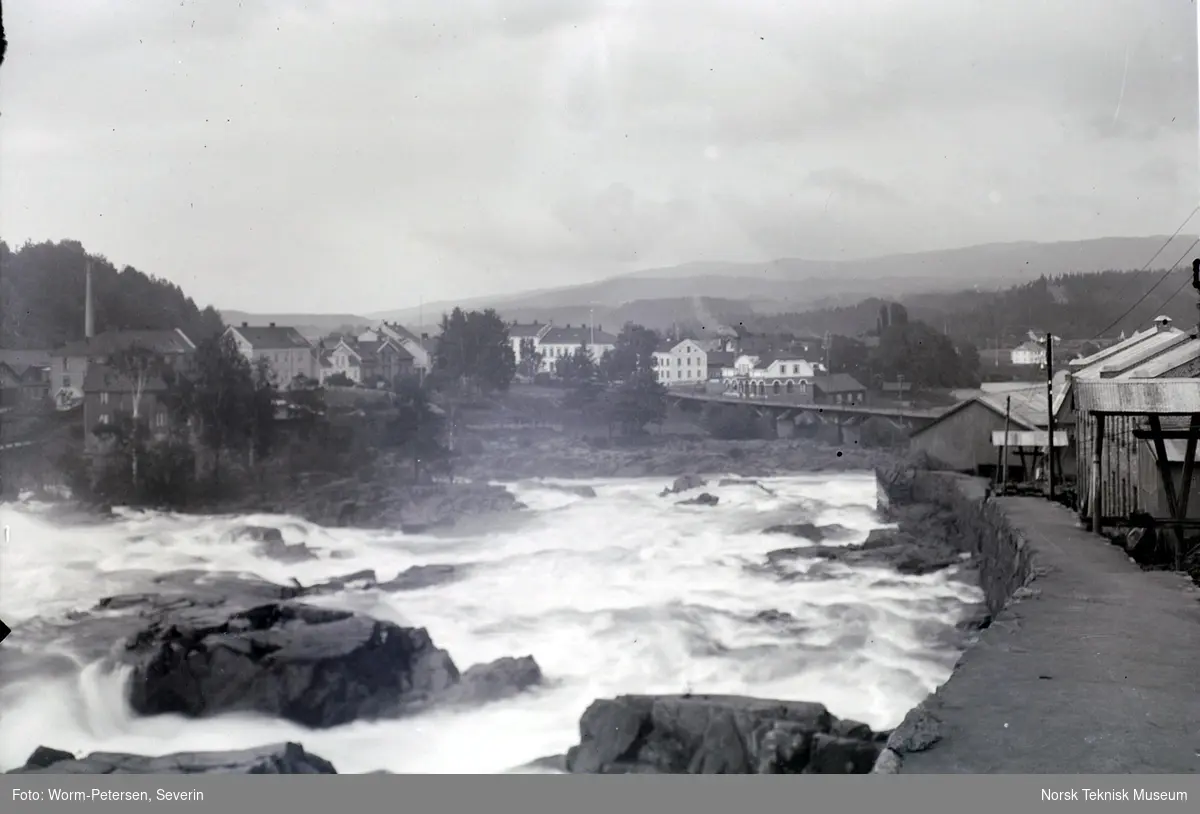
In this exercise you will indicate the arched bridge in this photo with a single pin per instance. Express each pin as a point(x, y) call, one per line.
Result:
point(841, 422)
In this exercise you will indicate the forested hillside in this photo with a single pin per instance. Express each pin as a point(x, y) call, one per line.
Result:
point(42, 295)
point(1073, 306)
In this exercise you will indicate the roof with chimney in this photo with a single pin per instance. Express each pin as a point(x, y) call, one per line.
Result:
point(111, 342)
point(271, 337)
point(531, 330)
point(577, 335)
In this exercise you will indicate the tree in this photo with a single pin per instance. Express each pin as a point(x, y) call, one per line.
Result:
point(639, 401)
point(474, 351)
point(577, 368)
point(417, 427)
point(920, 354)
point(42, 287)
point(139, 366)
point(220, 395)
point(633, 351)
point(848, 355)
point(530, 359)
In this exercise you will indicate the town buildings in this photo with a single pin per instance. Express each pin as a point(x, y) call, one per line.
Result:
point(373, 363)
point(752, 375)
point(109, 393)
point(420, 348)
point(24, 377)
point(1028, 354)
point(532, 332)
point(561, 341)
point(285, 350)
point(69, 364)
point(681, 363)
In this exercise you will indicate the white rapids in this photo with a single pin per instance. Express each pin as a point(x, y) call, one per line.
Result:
point(625, 592)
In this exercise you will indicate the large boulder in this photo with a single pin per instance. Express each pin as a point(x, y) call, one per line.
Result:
point(718, 734)
point(316, 666)
point(279, 758)
point(684, 483)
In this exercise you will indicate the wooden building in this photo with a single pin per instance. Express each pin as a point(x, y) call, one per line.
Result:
point(961, 437)
point(1118, 476)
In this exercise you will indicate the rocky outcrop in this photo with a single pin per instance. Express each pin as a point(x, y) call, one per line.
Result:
point(279, 758)
point(702, 499)
point(810, 531)
point(714, 734)
point(316, 666)
point(684, 483)
point(1003, 559)
point(923, 542)
point(381, 499)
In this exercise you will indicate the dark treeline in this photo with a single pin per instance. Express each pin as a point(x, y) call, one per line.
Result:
point(42, 290)
point(1072, 306)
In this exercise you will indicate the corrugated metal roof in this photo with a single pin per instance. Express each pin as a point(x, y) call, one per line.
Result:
point(1113, 350)
point(1027, 405)
point(1164, 363)
point(1138, 396)
point(1134, 355)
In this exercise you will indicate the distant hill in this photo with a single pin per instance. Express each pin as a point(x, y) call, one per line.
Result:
point(1072, 306)
point(792, 285)
point(42, 296)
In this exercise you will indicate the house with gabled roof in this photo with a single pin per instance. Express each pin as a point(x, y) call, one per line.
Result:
point(680, 363)
point(286, 351)
point(418, 347)
point(69, 364)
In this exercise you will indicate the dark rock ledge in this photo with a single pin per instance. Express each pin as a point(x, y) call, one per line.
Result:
point(718, 734)
point(207, 644)
point(279, 758)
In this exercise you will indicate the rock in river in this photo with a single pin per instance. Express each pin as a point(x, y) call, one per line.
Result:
point(715, 734)
point(279, 758)
point(316, 666)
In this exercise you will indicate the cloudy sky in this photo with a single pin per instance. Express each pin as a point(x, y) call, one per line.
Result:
point(359, 155)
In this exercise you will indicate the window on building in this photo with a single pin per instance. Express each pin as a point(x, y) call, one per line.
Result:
point(104, 398)
point(160, 420)
point(66, 380)
point(104, 418)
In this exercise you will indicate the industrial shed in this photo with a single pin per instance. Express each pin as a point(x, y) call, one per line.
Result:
point(961, 437)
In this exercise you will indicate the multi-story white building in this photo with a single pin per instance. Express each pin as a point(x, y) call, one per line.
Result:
point(562, 341)
point(761, 376)
point(284, 348)
point(681, 363)
point(1028, 354)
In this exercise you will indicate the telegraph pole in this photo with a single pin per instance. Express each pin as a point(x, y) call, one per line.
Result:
point(1050, 414)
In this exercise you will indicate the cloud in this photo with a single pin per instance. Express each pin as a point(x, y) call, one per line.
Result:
point(287, 155)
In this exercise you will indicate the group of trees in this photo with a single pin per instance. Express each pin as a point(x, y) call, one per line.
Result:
point(42, 288)
point(621, 388)
point(910, 350)
point(1073, 306)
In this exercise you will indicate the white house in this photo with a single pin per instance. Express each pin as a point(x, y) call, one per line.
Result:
point(684, 362)
point(1028, 354)
point(415, 345)
point(754, 375)
point(342, 359)
point(518, 332)
point(285, 349)
point(562, 341)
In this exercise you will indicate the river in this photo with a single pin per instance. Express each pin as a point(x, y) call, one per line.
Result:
point(624, 592)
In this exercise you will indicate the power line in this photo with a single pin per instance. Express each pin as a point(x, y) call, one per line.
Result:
point(1160, 281)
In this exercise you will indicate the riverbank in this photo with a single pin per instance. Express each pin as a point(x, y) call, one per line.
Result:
point(1088, 663)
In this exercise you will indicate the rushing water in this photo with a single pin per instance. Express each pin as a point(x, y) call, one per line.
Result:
point(625, 592)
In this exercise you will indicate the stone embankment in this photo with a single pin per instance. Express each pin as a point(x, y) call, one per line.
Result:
point(279, 758)
point(1086, 666)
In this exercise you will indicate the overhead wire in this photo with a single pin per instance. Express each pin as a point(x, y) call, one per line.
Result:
point(1159, 282)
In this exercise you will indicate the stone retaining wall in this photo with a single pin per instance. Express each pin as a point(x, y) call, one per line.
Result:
point(1005, 561)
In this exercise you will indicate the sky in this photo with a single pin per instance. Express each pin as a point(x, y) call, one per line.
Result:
point(363, 155)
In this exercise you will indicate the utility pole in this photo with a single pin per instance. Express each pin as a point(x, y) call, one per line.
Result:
point(1004, 465)
point(1196, 285)
point(1050, 414)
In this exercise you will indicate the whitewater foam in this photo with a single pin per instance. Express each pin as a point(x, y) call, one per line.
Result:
point(623, 592)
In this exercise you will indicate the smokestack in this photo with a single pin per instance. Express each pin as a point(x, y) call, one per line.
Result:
point(89, 315)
